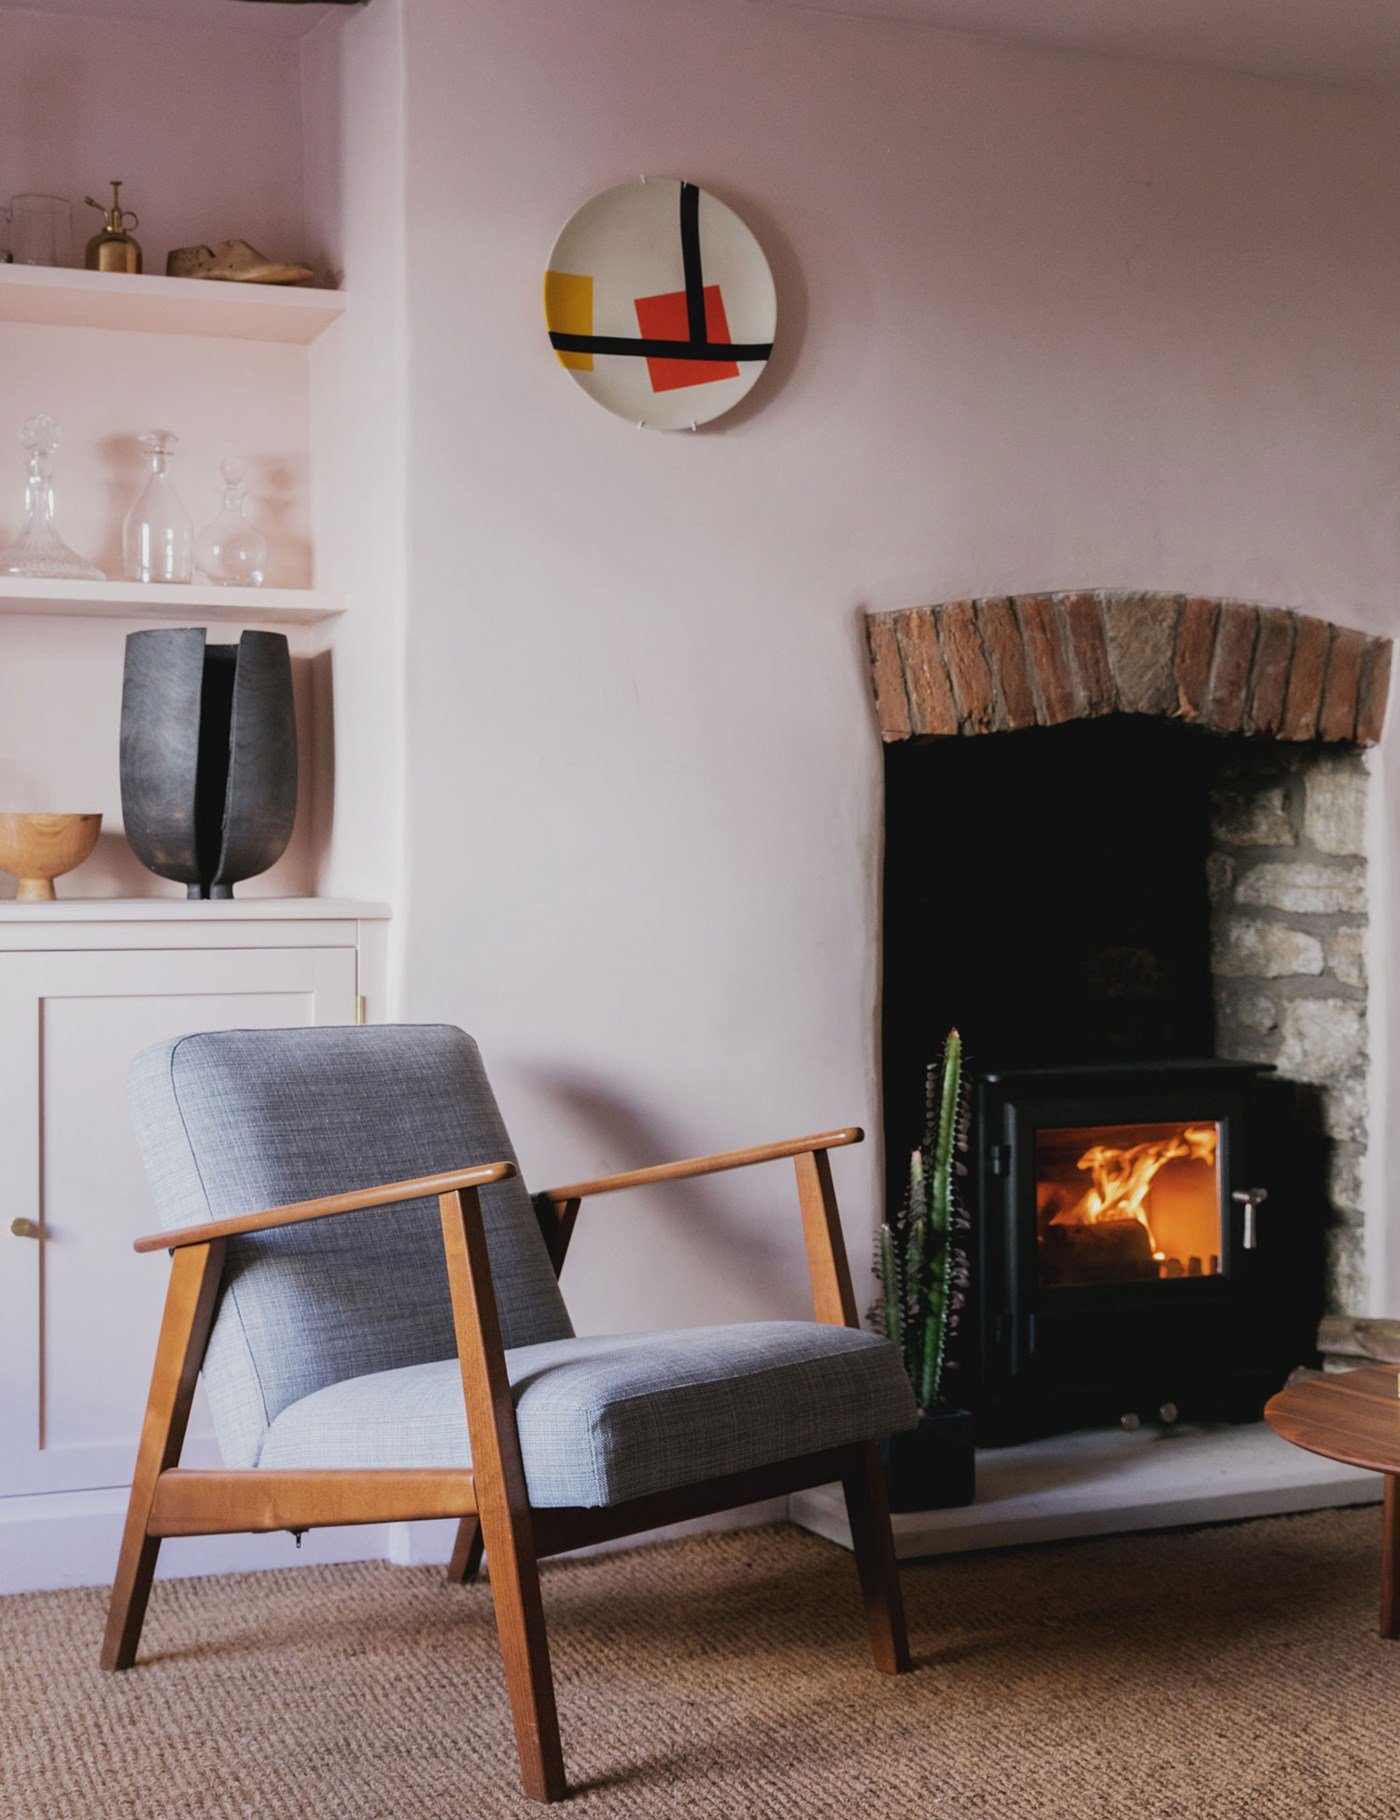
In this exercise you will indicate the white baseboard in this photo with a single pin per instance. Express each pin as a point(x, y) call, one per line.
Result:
point(71, 1539)
point(430, 1544)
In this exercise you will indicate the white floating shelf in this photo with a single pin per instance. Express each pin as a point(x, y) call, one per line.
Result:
point(173, 306)
point(174, 601)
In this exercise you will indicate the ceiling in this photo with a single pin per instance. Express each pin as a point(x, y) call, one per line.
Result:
point(278, 21)
point(1352, 42)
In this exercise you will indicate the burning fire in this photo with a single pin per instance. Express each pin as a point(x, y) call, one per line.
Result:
point(1122, 1177)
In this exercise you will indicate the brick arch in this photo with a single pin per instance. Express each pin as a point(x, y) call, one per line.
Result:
point(1028, 660)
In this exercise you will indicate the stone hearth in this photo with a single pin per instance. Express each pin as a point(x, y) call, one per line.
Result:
point(1103, 1482)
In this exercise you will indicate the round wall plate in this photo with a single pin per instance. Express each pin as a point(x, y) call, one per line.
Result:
point(660, 304)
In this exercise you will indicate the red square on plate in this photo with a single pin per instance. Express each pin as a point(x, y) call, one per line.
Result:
point(664, 318)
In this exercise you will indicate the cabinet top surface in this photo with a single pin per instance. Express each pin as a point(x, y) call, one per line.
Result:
point(183, 910)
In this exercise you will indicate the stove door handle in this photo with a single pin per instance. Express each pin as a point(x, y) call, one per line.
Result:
point(1251, 1199)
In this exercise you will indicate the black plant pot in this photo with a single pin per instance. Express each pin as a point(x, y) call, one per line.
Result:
point(933, 1466)
point(208, 755)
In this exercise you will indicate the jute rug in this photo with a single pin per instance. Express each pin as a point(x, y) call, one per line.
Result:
point(1231, 1672)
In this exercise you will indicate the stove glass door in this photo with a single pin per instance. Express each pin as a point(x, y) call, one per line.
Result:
point(1128, 1203)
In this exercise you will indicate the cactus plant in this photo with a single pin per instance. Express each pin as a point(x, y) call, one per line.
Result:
point(921, 1266)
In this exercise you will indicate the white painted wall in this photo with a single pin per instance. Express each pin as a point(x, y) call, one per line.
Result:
point(352, 103)
point(1044, 321)
point(200, 122)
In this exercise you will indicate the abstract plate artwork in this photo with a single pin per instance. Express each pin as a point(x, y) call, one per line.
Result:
point(660, 304)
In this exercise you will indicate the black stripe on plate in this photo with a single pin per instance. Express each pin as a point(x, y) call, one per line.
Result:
point(659, 350)
point(690, 259)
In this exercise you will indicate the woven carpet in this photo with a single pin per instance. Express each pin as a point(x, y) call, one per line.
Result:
point(1232, 1671)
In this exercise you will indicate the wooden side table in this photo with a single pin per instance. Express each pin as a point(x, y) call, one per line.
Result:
point(1353, 1416)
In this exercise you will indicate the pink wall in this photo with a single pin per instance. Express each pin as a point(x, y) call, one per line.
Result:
point(203, 126)
point(1044, 321)
point(352, 105)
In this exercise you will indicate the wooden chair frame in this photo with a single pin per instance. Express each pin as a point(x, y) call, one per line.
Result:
point(490, 1497)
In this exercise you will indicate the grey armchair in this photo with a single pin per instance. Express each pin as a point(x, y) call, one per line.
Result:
point(370, 1355)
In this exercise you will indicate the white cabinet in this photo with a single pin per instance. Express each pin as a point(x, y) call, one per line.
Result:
point(83, 988)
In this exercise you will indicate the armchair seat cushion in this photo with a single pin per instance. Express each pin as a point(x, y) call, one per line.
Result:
point(603, 1420)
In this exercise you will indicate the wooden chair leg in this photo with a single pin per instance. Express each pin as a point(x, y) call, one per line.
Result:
point(184, 1333)
point(1390, 1558)
point(466, 1553)
point(503, 1504)
point(867, 1506)
point(515, 1593)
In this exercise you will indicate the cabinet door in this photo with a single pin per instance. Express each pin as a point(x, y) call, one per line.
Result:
point(79, 1310)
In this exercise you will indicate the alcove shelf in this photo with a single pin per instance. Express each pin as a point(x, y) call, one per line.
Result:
point(58, 295)
point(188, 605)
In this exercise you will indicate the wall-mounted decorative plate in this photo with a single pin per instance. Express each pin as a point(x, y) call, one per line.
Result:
point(660, 304)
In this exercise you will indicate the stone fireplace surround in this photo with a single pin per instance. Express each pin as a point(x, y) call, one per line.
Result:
point(1287, 877)
point(1287, 866)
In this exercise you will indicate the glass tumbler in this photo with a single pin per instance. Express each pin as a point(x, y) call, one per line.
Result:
point(41, 230)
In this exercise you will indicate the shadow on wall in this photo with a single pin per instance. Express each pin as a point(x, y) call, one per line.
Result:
point(276, 484)
point(792, 308)
point(695, 1212)
point(316, 795)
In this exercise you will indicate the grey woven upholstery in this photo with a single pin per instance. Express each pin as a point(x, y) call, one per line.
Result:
point(241, 1120)
point(606, 1419)
point(333, 1345)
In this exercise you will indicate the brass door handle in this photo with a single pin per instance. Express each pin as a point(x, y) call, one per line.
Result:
point(25, 1229)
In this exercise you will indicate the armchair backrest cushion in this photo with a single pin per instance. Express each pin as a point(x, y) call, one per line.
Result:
point(237, 1121)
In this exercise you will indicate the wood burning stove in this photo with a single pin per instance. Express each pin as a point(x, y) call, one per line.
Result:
point(1144, 1245)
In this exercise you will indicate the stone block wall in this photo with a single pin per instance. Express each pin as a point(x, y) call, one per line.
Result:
point(1288, 928)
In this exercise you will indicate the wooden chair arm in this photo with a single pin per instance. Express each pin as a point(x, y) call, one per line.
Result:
point(704, 1165)
point(421, 1188)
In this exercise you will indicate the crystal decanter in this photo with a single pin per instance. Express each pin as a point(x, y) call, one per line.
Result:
point(39, 550)
point(158, 536)
point(230, 551)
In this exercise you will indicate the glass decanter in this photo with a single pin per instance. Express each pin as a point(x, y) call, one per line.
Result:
point(39, 550)
point(230, 551)
point(158, 536)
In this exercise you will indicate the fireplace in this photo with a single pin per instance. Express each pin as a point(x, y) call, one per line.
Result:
point(1145, 1243)
point(1125, 856)
point(1128, 1203)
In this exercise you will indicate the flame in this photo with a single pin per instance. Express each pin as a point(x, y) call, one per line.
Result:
point(1122, 1177)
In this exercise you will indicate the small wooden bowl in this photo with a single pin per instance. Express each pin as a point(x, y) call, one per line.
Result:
point(40, 848)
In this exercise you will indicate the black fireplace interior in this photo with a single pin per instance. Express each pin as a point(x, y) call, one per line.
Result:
point(1046, 891)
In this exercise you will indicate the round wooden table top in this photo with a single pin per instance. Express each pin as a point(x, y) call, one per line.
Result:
point(1352, 1416)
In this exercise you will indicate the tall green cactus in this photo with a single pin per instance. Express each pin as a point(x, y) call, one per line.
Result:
point(918, 1261)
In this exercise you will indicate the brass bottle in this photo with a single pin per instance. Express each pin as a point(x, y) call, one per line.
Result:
point(113, 249)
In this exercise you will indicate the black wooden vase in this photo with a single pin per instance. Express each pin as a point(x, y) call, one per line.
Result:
point(208, 755)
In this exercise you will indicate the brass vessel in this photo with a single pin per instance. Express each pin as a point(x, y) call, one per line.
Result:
point(112, 249)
